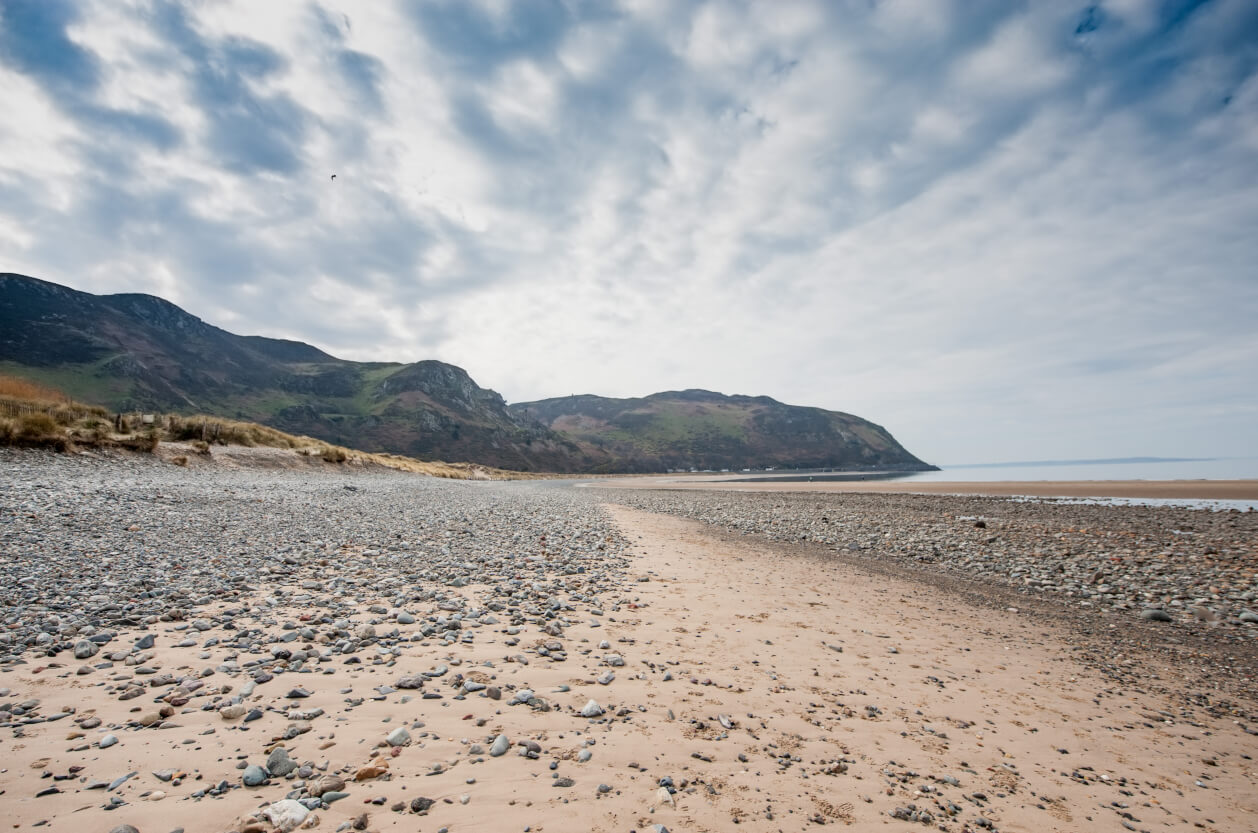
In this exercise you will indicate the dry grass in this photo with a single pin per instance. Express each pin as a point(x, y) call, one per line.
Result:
point(32, 415)
point(37, 416)
point(216, 430)
point(334, 454)
point(15, 388)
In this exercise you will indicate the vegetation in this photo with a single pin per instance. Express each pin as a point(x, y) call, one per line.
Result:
point(34, 415)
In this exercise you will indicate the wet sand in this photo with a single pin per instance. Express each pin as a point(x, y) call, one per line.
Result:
point(1177, 489)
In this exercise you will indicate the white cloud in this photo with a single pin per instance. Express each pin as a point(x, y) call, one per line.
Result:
point(996, 236)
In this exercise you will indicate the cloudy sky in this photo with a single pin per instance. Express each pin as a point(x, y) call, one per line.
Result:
point(1003, 230)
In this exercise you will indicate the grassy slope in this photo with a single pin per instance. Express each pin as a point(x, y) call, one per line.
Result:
point(33, 413)
point(708, 430)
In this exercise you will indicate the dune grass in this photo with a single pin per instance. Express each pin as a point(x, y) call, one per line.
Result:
point(37, 416)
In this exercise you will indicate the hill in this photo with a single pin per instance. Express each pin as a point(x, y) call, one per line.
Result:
point(133, 352)
point(137, 352)
point(700, 429)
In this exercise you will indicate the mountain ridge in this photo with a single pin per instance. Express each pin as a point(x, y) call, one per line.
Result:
point(131, 351)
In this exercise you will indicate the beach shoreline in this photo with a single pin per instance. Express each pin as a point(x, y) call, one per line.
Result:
point(1157, 489)
point(769, 663)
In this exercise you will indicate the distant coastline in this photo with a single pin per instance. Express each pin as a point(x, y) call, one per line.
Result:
point(1111, 461)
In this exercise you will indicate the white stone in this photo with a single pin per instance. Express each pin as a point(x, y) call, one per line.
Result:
point(287, 814)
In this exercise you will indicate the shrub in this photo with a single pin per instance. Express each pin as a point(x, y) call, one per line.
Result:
point(332, 454)
point(179, 461)
point(36, 426)
point(201, 446)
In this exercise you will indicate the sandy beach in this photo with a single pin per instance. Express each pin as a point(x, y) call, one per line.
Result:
point(623, 670)
point(1184, 489)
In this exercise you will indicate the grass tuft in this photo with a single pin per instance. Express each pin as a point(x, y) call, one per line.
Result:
point(334, 454)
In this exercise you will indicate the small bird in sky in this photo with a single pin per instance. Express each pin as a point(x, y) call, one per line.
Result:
point(334, 176)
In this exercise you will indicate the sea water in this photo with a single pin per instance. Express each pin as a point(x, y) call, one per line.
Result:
point(1230, 468)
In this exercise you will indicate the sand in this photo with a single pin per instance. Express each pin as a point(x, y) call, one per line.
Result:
point(849, 695)
point(1179, 489)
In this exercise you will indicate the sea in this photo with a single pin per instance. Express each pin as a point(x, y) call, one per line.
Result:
point(1225, 468)
point(1153, 469)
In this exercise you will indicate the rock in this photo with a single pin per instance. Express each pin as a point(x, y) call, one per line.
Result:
point(399, 737)
point(374, 769)
point(421, 804)
point(278, 763)
point(108, 741)
point(85, 649)
point(584, 755)
point(232, 712)
point(253, 776)
point(286, 814)
point(1154, 614)
point(411, 681)
point(562, 782)
point(1248, 616)
point(606, 677)
point(145, 642)
point(591, 709)
point(124, 828)
point(326, 784)
point(500, 746)
point(404, 618)
point(297, 694)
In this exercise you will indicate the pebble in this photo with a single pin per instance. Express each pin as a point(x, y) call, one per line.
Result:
point(279, 764)
point(271, 578)
point(1129, 558)
point(286, 814)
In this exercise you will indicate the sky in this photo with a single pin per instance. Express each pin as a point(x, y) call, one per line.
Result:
point(1002, 230)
